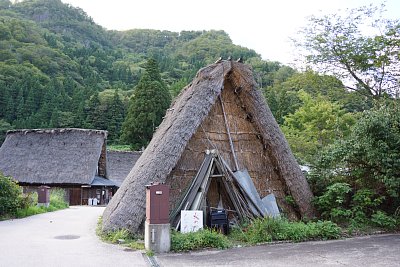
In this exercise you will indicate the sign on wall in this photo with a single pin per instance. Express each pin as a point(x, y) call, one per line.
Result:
point(191, 220)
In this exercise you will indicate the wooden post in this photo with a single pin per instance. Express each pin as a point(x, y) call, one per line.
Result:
point(229, 135)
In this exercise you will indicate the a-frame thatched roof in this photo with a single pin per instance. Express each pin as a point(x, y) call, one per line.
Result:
point(175, 150)
point(53, 156)
point(120, 163)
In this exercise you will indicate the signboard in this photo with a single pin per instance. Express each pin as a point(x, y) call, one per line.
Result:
point(191, 220)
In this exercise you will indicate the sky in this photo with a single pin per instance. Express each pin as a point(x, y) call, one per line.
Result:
point(263, 25)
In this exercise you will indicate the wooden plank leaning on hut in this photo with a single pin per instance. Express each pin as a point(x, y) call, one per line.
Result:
point(241, 194)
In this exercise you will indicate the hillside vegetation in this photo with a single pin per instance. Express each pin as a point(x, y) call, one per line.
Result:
point(58, 68)
point(54, 59)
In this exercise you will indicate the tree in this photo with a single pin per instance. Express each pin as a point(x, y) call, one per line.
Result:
point(368, 160)
point(337, 44)
point(146, 108)
point(93, 115)
point(115, 116)
point(315, 125)
point(283, 97)
point(177, 87)
point(4, 127)
point(5, 4)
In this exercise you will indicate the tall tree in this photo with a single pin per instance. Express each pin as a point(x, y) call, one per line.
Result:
point(338, 44)
point(115, 116)
point(283, 97)
point(146, 108)
point(93, 115)
point(313, 126)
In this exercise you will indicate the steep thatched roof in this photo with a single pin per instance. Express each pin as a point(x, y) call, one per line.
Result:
point(127, 208)
point(52, 156)
point(120, 163)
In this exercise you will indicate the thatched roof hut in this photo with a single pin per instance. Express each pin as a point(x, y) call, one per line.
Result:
point(54, 156)
point(120, 163)
point(195, 123)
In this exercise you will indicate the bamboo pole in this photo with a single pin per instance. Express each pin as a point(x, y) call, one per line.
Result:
point(229, 134)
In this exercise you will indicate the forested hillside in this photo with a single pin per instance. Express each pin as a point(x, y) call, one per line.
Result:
point(60, 69)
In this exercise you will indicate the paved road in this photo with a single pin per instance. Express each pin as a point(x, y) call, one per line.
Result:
point(61, 238)
point(67, 238)
point(379, 250)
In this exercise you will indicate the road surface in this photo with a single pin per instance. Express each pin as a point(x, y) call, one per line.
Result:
point(61, 238)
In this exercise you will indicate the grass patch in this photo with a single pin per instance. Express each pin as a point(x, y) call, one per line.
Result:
point(205, 238)
point(57, 199)
point(119, 147)
point(29, 211)
point(122, 237)
point(270, 229)
point(149, 253)
point(258, 231)
point(57, 202)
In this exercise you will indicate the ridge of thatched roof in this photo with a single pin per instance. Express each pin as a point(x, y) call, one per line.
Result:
point(58, 130)
point(52, 156)
point(180, 123)
point(120, 163)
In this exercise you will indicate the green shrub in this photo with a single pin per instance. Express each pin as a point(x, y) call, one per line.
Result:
point(29, 206)
point(367, 161)
point(204, 238)
point(122, 234)
point(363, 204)
point(10, 195)
point(13, 203)
point(57, 199)
point(276, 229)
point(328, 230)
point(358, 211)
point(129, 240)
point(332, 204)
point(29, 211)
point(119, 147)
point(28, 200)
point(381, 219)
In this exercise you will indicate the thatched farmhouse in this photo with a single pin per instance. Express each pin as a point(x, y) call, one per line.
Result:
point(221, 113)
point(73, 159)
point(120, 163)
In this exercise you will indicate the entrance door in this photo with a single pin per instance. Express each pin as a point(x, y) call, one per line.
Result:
point(75, 196)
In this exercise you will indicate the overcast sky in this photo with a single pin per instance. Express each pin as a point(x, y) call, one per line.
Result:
point(262, 25)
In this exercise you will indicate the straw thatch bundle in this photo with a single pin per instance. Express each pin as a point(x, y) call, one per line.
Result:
point(194, 123)
point(53, 156)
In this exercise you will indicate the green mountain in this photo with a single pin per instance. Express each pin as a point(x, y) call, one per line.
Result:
point(55, 62)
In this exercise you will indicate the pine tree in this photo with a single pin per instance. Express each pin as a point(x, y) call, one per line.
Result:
point(92, 111)
point(78, 106)
point(47, 107)
point(20, 105)
point(146, 108)
point(30, 105)
point(3, 98)
point(115, 114)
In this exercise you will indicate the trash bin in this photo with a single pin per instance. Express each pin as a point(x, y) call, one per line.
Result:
point(219, 220)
